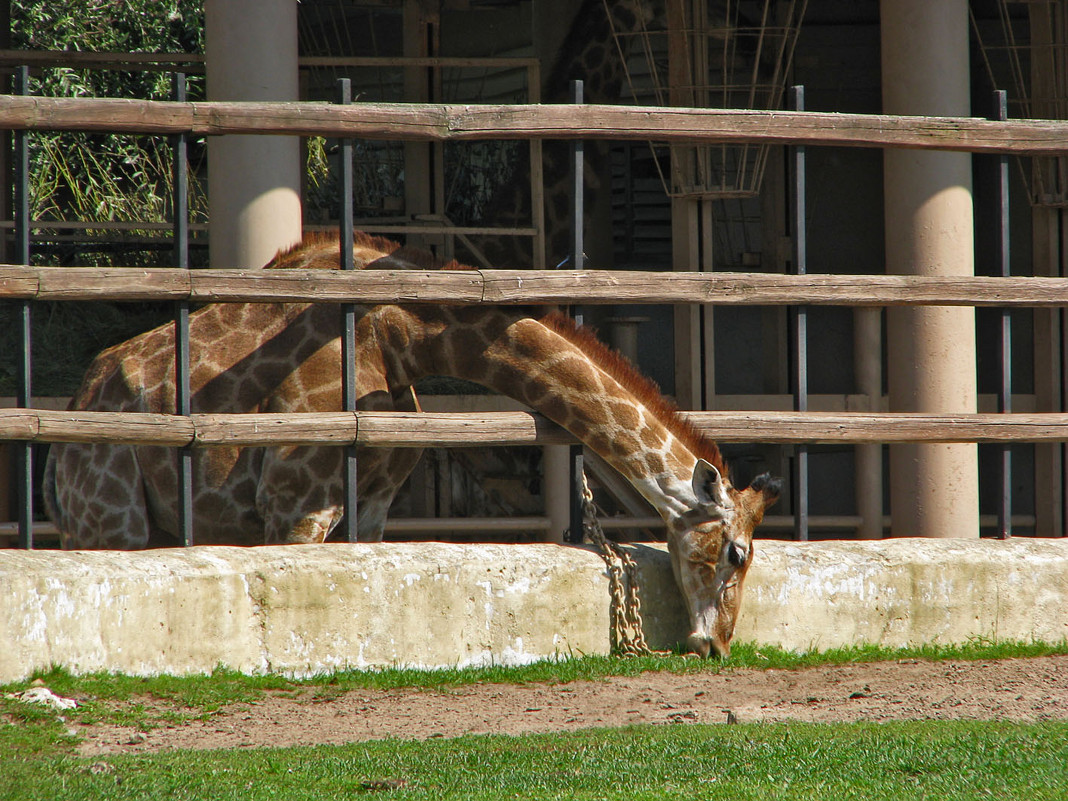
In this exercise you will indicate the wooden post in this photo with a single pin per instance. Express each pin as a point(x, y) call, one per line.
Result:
point(556, 470)
point(537, 172)
point(684, 227)
point(868, 369)
point(420, 41)
point(1047, 254)
point(685, 224)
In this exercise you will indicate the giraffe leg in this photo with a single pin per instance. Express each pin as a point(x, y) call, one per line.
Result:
point(299, 494)
point(312, 527)
point(96, 496)
point(381, 474)
point(383, 471)
point(371, 518)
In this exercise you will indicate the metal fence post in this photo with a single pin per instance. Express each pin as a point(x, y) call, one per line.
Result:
point(182, 392)
point(800, 328)
point(1001, 113)
point(348, 312)
point(576, 460)
point(24, 399)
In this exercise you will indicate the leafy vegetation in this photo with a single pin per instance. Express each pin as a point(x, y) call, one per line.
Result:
point(99, 177)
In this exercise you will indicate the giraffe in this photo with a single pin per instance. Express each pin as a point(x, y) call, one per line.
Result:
point(285, 357)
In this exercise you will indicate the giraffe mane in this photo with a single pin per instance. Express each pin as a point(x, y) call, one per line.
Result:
point(642, 387)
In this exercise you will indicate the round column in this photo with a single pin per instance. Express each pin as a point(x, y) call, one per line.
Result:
point(253, 181)
point(928, 208)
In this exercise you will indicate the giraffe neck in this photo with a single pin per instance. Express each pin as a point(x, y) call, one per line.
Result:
point(567, 376)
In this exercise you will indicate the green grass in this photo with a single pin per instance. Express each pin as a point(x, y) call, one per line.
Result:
point(120, 699)
point(869, 761)
point(902, 760)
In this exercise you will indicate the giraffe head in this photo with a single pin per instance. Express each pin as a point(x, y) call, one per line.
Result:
point(712, 548)
point(621, 415)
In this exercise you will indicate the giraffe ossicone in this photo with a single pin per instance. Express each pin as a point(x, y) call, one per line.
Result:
point(286, 357)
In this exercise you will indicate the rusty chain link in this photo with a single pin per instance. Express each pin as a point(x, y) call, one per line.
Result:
point(628, 636)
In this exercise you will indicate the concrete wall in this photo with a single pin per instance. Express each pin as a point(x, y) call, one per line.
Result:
point(304, 609)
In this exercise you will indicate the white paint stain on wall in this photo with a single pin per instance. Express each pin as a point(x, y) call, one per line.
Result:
point(148, 613)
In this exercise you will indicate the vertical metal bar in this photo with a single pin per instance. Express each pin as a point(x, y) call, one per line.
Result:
point(24, 467)
point(348, 313)
point(577, 262)
point(578, 245)
point(1062, 327)
point(800, 329)
point(1001, 112)
point(537, 172)
point(182, 392)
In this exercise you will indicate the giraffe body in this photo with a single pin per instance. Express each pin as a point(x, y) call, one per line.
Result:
point(255, 357)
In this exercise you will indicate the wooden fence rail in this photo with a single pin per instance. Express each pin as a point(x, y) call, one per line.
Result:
point(422, 121)
point(524, 287)
point(484, 429)
point(465, 122)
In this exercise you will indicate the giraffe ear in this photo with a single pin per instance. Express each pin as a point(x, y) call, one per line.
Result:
point(708, 487)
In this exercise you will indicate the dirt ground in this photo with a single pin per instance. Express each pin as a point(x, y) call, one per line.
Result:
point(1013, 689)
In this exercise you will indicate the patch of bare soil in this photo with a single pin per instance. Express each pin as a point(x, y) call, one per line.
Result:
point(1012, 689)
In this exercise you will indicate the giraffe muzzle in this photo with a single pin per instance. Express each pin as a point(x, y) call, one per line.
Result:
point(706, 647)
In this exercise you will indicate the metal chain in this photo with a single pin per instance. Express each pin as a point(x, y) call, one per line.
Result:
point(625, 612)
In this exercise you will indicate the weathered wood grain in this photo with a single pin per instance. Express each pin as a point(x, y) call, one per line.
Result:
point(862, 427)
point(484, 429)
point(423, 121)
point(113, 283)
point(457, 429)
point(362, 286)
point(335, 428)
point(18, 283)
point(135, 428)
point(764, 289)
point(527, 287)
point(19, 424)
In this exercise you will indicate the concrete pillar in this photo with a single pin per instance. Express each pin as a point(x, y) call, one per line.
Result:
point(253, 181)
point(928, 206)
